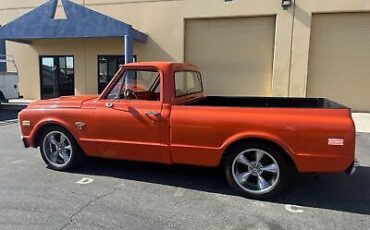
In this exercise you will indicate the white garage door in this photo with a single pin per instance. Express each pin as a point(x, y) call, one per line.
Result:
point(235, 55)
point(339, 62)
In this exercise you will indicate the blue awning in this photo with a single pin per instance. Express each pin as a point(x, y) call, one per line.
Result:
point(80, 22)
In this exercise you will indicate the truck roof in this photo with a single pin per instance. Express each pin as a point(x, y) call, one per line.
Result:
point(164, 65)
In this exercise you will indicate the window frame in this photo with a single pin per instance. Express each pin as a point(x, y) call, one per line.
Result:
point(58, 67)
point(107, 91)
point(117, 57)
point(186, 95)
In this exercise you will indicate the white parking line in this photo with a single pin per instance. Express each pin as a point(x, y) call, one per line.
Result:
point(85, 181)
point(258, 203)
point(293, 208)
point(16, 162)
point(179, 192)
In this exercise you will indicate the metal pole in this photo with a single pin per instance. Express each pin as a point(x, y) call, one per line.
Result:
point(128, 49)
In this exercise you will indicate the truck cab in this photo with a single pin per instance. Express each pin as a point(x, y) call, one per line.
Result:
point(140, 100)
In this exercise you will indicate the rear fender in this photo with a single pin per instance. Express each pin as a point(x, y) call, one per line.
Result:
point(259, 135)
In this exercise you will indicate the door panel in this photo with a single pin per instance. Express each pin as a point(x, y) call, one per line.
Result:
point(11, 85)
point(129, 130)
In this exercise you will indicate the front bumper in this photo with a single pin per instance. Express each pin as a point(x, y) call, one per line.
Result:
point(352, 168)
point(25, 143)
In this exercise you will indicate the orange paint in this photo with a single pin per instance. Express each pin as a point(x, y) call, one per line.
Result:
point(196, 135)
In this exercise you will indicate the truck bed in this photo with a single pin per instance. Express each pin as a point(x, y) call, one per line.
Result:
point(278, 102)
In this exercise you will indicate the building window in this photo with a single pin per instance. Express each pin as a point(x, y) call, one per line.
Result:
point(108, 65)
point(57, 76)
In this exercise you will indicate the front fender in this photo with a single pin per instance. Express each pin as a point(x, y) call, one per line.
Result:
point(35, 133)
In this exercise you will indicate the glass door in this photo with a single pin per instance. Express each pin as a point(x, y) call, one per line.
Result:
point(108, 65)
point(57, 76)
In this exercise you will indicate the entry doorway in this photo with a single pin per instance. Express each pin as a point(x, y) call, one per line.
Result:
point(108, 65)
point(57, 76)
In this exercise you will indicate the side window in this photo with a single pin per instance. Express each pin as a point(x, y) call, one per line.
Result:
point(187, 82)
point(137, 85)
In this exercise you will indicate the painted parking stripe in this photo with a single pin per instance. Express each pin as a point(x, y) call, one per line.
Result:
point(258, 203)
point(16, 162)
point(293, 208)
point(85, 181)
point(179, 192)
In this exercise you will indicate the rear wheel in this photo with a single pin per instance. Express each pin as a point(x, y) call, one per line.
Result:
point(59, 149)
point(256, 170)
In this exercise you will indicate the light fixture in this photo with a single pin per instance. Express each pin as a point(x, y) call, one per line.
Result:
point(286, 3)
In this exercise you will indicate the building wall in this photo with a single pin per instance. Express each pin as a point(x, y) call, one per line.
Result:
point(164, 22)
point(85, 52)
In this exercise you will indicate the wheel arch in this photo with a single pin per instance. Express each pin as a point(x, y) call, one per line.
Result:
point(44, 126)
point(285, 153)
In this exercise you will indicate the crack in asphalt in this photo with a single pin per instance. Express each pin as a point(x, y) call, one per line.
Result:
point(88, 204)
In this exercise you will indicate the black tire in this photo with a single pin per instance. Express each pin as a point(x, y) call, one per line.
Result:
point(76, 155)
point(245, 176)
point(2, 98)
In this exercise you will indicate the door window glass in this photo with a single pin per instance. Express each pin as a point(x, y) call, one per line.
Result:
point(137, 85)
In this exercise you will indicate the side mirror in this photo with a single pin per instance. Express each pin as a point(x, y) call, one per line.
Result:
point(109, 104)
point(113, 97)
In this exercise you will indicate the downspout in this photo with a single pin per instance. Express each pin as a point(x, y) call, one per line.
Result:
point(291, 48)
point(3, 67)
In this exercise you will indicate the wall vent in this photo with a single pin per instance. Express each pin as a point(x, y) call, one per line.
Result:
point(59, 12)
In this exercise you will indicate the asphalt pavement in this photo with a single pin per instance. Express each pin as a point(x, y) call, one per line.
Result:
point(9, 112)
point(106, 194)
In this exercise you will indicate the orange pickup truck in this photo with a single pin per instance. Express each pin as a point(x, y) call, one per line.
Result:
point(157, 112)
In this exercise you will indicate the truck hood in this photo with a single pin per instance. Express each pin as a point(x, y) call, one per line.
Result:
point(63, 102)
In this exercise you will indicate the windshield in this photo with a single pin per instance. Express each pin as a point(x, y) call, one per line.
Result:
point(187, 82)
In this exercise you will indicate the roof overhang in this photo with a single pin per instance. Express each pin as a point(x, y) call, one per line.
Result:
point(80, 22)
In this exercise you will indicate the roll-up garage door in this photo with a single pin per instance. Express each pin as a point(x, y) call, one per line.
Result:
point(339, 61)
point(235, 55)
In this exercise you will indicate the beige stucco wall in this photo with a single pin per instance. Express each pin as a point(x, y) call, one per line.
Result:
point(302, 31)
point(85, 52)
point(164, 20)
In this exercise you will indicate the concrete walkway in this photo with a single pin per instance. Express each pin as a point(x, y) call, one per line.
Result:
point(20, 101)
point(362, 122)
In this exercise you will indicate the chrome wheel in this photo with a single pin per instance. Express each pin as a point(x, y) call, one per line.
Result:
point(57, 148)
point(256, 171)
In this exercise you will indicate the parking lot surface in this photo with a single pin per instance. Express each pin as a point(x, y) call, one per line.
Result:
point(106, 194)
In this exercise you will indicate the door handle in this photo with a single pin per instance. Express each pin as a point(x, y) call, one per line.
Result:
point(152, 113)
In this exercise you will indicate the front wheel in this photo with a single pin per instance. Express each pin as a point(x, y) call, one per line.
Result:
point(256, 170)
point(59, 149)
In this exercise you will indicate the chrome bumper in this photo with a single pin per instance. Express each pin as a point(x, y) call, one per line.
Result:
point(352, 169)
